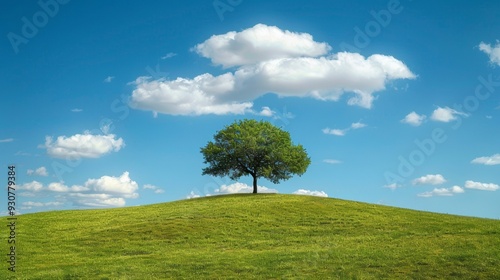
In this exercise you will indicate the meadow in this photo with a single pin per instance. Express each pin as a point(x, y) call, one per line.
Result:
point(262, 236)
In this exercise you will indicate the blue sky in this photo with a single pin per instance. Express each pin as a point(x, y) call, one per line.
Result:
point(107, 103)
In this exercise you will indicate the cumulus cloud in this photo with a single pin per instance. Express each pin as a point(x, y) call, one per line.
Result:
point(242, 188)
point(108, 79)
point(491, 160)
point(122, 185)
point(60, 187)
point(97, 200)
point(443, 192)
point(414, 119)
point(41, 171)
point(199, 96)
point(82, 145)
point(481, 186)
point(430, 179)
point(309, 192)
point(332, 161)
point(257, 44)
point(446, 114)
point(269, 60)
point(33, 186)
point(492, 52)
point(106, 191)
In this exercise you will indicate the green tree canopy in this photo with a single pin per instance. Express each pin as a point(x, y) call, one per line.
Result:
point(255, 148)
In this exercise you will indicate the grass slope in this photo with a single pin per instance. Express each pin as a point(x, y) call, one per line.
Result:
point(265, 236)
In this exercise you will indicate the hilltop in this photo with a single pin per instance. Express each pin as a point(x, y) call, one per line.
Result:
point(264, 236)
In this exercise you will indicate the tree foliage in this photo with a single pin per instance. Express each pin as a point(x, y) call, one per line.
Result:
point(255, 148)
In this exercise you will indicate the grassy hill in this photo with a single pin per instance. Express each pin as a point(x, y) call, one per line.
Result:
point(264, 236)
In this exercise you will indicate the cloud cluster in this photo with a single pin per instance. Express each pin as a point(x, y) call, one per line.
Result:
point(492, 52)
point(268, 60)
point(242, 188)
point(440, 114)
point(431, 179)
point(309, 192)
point(106, 191)
point(342, 132)
point(84, 145)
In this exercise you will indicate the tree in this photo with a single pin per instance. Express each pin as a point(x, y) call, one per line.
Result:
point(255, 148)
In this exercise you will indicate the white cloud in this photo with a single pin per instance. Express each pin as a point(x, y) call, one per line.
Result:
point(430, 179)
point(123, 185)
point(481, 186)
point(32, 186)
point(108, 79)
point(7, 140)
point(155, 189)
point(357, 125)
point(82, 145)
point(41, 171)
point(392, 186)
point(266, 112)
point(492, 52)
point(342, 132)
point(242, 188)
point(30, 204)
point(192, 194)
point(257, 44)
point(446, 114)
point(97, 200)
point(107, 191)
point(168, 55)
point(60, 187)
point(332, 161)
point(309, 192)
point(270, 61)
point(200, 96)
point(76, 110)
point(443, 192)
point(414, 119)
point(492, 160)
point(337, 132)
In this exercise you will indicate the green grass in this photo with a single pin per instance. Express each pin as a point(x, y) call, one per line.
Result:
point(264, 236)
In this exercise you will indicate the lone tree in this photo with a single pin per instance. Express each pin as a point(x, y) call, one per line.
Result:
point(256, 148)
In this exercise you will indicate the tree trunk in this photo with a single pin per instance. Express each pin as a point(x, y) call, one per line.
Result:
point(254, 184)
